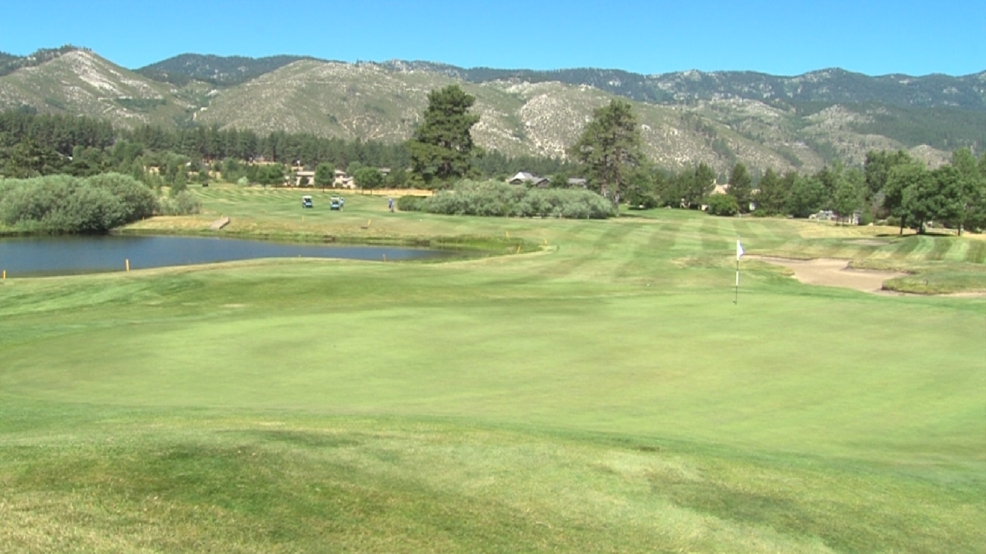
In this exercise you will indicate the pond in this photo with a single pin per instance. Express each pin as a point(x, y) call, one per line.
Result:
point(70, 255)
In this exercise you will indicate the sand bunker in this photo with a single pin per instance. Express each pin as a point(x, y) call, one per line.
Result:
point(834, 273)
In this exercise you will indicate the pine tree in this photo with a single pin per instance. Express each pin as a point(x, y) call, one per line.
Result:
point(442, 146)
point(740, 186)
point(609, 148)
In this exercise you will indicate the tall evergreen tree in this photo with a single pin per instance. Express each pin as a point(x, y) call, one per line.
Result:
point(740, 186)
point(850, 192)
point(609, 148)
point(442, 145)
point(772, 194)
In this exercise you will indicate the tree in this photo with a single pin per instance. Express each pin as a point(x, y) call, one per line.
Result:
point(740, 186)
point(397, 179)
point(971, 191)
point(609, 148)
point(877, 168)
point(883, 201)
point(368, 178)
point(325, 175)
point(772, 196)
point(723, 204)
point(688, 189)
point(933, 197)
point(442, 145)
point(829, 177)
point(850, 189)
point(30, 159)
point(642, 188)
point(180, 182)
point(900, 179)
point(807, 196)
point(273, 175)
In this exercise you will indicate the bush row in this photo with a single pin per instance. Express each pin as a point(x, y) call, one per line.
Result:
point(493, 198)
point(65, 204)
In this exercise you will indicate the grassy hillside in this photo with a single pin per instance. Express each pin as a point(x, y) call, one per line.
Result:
point(603, 393)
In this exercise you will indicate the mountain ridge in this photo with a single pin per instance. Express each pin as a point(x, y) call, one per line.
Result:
point(798, 123)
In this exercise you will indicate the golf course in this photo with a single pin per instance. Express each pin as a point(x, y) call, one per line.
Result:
point(559, 386)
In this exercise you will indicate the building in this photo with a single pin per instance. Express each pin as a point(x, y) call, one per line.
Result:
point(525, 178)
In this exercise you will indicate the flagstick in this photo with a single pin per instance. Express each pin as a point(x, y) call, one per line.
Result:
point(736, 297)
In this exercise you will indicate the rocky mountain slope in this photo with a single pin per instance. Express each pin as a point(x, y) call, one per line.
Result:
point(82, 83)
point(785, 123)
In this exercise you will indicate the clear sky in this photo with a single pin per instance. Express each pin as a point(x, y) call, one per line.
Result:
point(791, 37)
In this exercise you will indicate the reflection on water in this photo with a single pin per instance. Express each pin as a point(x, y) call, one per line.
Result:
point(34, 256)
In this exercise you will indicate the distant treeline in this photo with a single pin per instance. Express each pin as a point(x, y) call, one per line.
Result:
point(33, 144)
point(890, 185)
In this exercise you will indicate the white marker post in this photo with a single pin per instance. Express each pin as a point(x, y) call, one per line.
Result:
point(739, 254)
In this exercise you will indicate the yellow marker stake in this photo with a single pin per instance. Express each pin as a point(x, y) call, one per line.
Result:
point(5, 275)
point(128, 264)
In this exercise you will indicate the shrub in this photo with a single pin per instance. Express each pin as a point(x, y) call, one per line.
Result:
point(410, 203)
point(492, 198)
point(138, 200)
point(61, 204)
point(723, 205)
point(184, 203)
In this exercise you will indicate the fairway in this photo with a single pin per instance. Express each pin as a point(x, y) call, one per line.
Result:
point(599, 391)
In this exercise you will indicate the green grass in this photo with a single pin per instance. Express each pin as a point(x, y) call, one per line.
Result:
point(600, 394)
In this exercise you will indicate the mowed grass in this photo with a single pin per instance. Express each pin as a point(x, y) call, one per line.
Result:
point(601, 394)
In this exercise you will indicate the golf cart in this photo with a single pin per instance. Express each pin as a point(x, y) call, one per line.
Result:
point(336, 203)
point(306, 202)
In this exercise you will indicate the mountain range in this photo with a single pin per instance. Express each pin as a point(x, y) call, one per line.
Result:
point(798, 123)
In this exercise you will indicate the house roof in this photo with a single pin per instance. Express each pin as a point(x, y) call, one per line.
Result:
point(521, 177)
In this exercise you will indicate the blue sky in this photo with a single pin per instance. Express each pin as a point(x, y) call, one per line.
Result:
point(777, 37)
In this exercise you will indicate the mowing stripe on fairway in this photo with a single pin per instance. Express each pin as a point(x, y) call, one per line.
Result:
point(977, 252)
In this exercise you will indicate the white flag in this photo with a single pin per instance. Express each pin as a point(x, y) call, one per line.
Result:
point(739, 250)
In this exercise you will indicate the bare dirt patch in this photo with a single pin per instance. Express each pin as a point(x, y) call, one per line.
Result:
point(834, 273)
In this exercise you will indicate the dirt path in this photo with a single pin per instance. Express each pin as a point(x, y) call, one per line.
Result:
point(834, 273)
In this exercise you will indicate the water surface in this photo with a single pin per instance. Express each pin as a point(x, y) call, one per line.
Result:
point(69, 255)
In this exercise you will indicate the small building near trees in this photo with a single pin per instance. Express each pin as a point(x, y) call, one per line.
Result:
point(525, 178)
